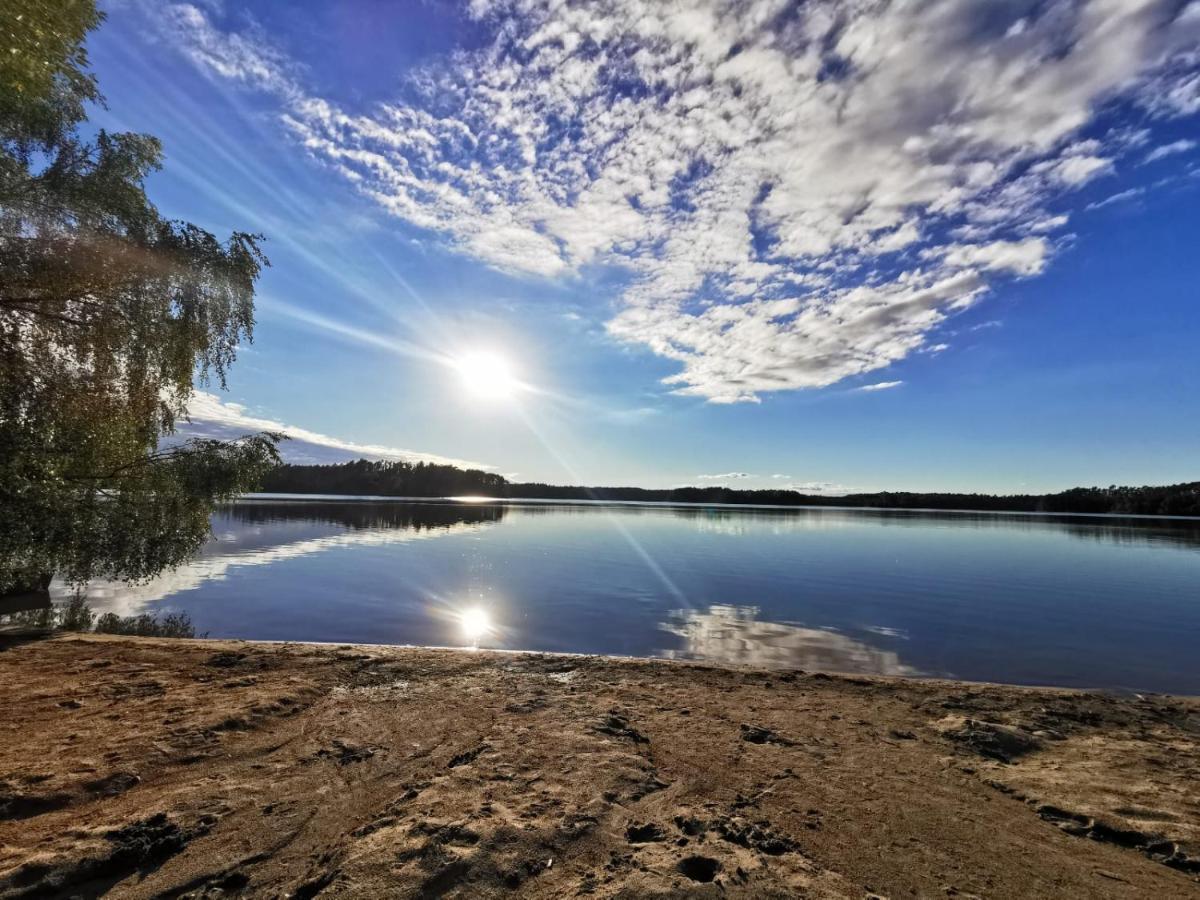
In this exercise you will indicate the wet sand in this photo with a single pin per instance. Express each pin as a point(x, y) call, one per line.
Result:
point(167, 768)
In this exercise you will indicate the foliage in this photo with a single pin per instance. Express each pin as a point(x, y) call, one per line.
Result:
point(43, 73)
point(130, 522)
point(108, 312)
point(76, 615)
point(383, 479)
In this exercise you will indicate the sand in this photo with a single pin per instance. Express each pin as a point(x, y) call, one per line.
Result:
point(168, 768)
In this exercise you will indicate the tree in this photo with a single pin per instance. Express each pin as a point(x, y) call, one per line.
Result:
point(108, 312)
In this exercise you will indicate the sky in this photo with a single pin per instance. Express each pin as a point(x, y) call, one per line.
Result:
point(833, 246)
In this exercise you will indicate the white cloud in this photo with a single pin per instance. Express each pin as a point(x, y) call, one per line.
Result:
point(798, 193)
point(210, 416)
point(726, 476)
point(881, 386)
point(1172, 149)
point(1131, 194)
point(1076, 171)
point(1027, 257)
point(1050, 223)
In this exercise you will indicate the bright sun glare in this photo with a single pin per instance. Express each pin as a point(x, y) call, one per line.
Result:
point(486, 374)
point(476, 623)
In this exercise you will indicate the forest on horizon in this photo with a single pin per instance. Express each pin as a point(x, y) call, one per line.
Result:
point(405, 479)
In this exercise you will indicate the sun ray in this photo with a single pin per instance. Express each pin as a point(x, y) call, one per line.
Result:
point(650, 562)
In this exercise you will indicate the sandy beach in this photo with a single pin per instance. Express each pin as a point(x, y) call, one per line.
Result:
point(179, 768)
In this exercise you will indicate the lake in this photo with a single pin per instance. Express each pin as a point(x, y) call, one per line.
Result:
point(1081, 601)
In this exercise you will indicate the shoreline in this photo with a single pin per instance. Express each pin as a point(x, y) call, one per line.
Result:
point(942, 680)
point(212, 767)
point(679, 504)
point(25, 633)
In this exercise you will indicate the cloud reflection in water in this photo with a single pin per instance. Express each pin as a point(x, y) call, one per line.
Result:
point(733, 635)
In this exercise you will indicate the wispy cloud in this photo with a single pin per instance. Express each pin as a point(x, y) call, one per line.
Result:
point(725, 476)
point(211, 416)
point(983, 326)
point(1172, 149)
point(246, 57)
point(1121, 197)
point(881, 386)
point(798, 193)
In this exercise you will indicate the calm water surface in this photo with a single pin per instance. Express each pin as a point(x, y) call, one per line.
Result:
point(1075, 601)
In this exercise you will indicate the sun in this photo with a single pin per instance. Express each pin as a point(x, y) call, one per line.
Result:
point(487, 375)
point(476, 623)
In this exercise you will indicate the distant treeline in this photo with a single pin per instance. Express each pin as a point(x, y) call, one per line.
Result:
point(1171, 500)
point(386, 479)
point(403, 479)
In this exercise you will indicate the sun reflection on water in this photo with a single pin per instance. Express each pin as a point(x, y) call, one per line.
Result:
point(476, 624)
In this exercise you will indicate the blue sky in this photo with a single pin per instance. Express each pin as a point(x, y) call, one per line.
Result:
point(829, 245)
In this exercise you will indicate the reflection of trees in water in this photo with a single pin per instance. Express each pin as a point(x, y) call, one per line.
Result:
point(334, 526)
point(729, 519)
point(1125, 531)
point(733, 635)
point(734, 520)
point(363, 514)
point(1138, 533)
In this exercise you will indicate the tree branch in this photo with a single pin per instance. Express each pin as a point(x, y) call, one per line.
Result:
point(48, 315)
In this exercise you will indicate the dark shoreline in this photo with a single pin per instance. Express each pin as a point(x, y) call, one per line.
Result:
point(677, 504)
point(405, 479)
